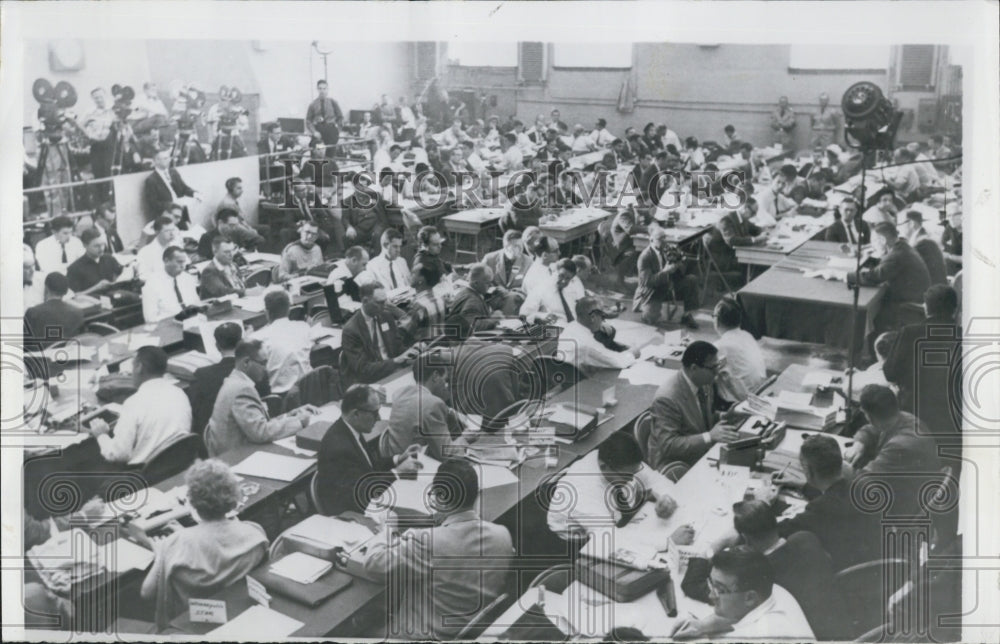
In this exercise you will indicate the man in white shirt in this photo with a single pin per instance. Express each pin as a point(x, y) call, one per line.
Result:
point(472, 157)
point(925, 168)
point(580, 345)
point(904, 178)
point(149, 259)
point(543, 268)
point(601, 137)
point(389, 268)
point(148, 104)
point(748, 604)
point(668, 137)
point(608, 485)
point(773, 204)
point(512, 158)
point(582, 142)
point(407, 120)
point(745, 369)
point(57, 251)
point(166, 294)
point(156, 413)
point(349, 273)
point(552, 301)
point(286, 343)
point(451, 137)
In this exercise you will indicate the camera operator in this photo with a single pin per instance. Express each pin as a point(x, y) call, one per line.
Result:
point(228, 144)
point(97, 126)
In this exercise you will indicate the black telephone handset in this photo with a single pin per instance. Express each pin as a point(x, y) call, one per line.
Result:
point(668, 596)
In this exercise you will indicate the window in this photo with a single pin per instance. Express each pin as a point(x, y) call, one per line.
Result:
point(477, 54)
point(839, 57)
point(592, 55)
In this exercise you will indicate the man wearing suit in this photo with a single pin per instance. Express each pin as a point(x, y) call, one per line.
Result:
point(926, 247)
point(469, 311)
point(371, 347)
point(239, 416)
point(735, 229)
point(685, 423)
point(849, 227)
point(350, 470)
point(53, 318)
point(894, 448)
point(651, 179)
point(903, 272)
point(657, 275)
point(164, 185)
point(221, 276)
point(848, 534)
point(434, 591)
point(207, 381)
point(510, 263)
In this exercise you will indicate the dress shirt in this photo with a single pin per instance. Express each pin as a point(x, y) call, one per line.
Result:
point(875, 215)
point(545, 298)
point(152, 106)
point(671, 138)
point(582, 144)
point(407, 117)
point(286, 345)
point(379, 266)
point(904, 180)
point(775, 204)
point(744, 362)
point(340, 273)
point(155, 413)
point(49, 252)
point(581, 349)
point(376, 334)
point(34, 293)
point(602, 138)
point(536, 275)
point(524, 142)
point(159, 297)
point(779, 617)
point(512, 159)
point(149, 259)
point(926, 171)
point(592, 512)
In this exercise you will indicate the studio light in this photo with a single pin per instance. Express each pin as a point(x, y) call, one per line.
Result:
point(871, 120)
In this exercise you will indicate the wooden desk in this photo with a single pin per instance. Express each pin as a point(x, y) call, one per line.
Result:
point(479, 225)
point(783, 303)
point(784, 239)
point(677, 235)
point(575, 224)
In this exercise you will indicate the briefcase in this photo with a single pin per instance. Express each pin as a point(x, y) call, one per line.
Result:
point(617, 581)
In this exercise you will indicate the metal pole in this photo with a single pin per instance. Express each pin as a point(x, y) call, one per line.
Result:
point(854, 307)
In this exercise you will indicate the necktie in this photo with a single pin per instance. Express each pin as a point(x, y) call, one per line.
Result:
point(706, 412)
point(65, 260)
point(377, 341)
point(177, 291)
point(392, 275)
point(850, 233)
point(562, 298)
point(322, 108)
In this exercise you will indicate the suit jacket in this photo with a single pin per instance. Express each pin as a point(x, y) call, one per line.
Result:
point(215, 283)
point(53, 319)
point(848, 534)
point(679, 425)
point(469, 312)
point(347, 477)
point(903, 271)
point(156, 194)
point(204, 389)
point(360, 360)
point(730, 232)
point(500, 277)
point(418, 418)
point(651, 280)
point(650, 184)
point(239, 417)
point(933, 258)
point(836, 232)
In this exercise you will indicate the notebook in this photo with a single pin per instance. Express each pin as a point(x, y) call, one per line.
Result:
point(273, 466)
point(301, 567)
point(256, 623)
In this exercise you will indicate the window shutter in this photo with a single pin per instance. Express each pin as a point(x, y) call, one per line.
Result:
point(531, 62)
point(916, 67)
point(426, 65)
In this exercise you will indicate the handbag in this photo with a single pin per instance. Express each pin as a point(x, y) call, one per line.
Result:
point(617, 581)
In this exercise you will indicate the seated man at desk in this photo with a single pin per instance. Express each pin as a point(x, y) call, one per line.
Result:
point(745, 368)
point(389, 268)
point(57, 251)
point(157, 413)
point(848, 227)
point(371, 347)
point(349, 468)
point(546, 252)
point(685, 423)
point(300, 255)
point(239, 416)
point(54, 319)
point(510, 264)
point(207, 381)
point(470, 311)
point(432, 591)
point(286, 343)
point(221, 277)
point(420, 415)
point(430, 241)
point(748, 603)
point(733, 230)
point(586, 344)
point(227, 226)
point(884, 209)
point(615, 465)
point(149, 259)
point(425, 316)
point(553, 300)
point(166, 294)
point(95, 270)
point(350, 273)
point(662, 270)
point(901, 270)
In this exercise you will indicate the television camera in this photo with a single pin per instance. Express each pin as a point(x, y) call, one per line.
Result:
point(228, 142)
point(186, 113)
point(54, 103)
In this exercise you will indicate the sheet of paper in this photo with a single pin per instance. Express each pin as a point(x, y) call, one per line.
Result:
point(817, 379)
point(137, 340)
point(256, 623)
point(301, 567)
point(122, 555)
point(570, 417)
point(251, 303)
point(495, 476)
point(266, 465)
point(794, 398)
point(645, 373)
point(289, 443)
point(328, 413)
point(331, 531)
point(661, 351)
point(842, 263)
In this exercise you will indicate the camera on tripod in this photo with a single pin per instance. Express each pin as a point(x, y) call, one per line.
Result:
point(123, 96)
point(53, 103)
point(230, 109)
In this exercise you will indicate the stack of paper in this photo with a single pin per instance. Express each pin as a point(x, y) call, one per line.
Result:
point(256, 623)
point(331, 531)
point(250, 303)
point(645, 373)
point(300, 567)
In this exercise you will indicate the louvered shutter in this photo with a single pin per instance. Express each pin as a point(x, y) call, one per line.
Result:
point(531, 62)
point(426, 60)
point(916, 67)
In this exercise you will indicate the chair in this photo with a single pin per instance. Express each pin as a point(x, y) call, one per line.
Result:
point(297, 313)
point(320, 316)
point(865, 589)
point(675, 470)
point(173, 457)
point(314, 494)
point(642, 429)
point(275, 404)
point(483, 619)
point(102, 328)
point(557, 578)
point(260, 277)
point(317, 387)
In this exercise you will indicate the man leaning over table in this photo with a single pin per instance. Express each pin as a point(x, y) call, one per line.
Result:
point(586, 344)
point(239, 416)
point(155, 414)
point(685, 423)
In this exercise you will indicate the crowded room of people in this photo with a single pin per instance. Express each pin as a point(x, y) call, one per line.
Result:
point(492, 341)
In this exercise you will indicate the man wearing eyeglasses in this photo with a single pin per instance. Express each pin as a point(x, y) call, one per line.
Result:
point(586, 344)
point(685, 423)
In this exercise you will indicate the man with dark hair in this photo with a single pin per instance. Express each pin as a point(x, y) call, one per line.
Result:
point(926, 247)
point(735, 229)
point(430, 242)
point(104, 221)
point(848, 227)
point(420, 560)
point(389, 267)
point(685, 423)
point(425, 316)
point(207, 381)
point(748, 604)
point(323, 119)
point(609, 485)
point(227, 222)
point(510, 263)
point(302, 254)
point(174, 290)
point(553, 300)
point(60, 249)
point(350, 470)
point(54, 319)
point(157, 413)
point(149, 259)
point(239, 416)
point(850, 535)
point(349, 274)
point(588, 343)
point(221, 277)
point(286, 343)
point(902, 271)
point(245, 235)
point(95, 270)
point(164, 185)
point(469, 310)
point(371, 347)
point(659, 274)
point(745, 368)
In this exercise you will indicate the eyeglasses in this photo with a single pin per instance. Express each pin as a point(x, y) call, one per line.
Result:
point(711, 367)
point(720, 589)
